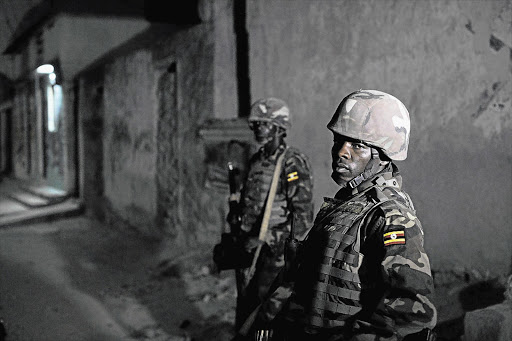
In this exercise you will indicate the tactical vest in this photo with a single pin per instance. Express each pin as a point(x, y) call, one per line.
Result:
point(256, 190)
point(326, 295)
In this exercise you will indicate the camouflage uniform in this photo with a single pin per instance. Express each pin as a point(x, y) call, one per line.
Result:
point(363, 272)
point(293, 194)
point(363, 268)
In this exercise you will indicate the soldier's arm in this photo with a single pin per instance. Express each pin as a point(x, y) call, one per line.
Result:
point(406, 305)
point(299, 191)
point(407, 273)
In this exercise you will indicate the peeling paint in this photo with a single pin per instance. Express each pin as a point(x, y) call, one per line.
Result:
point(470, 27)
point(494, 114)
point(495, 43)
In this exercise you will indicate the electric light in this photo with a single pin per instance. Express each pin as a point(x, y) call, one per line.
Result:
point(45, 69)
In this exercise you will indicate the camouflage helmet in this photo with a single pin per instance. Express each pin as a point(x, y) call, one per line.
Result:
point(272, 110)
point(376, 118)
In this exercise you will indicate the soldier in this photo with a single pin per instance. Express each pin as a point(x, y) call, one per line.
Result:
point(363, 273)
point(269, 120)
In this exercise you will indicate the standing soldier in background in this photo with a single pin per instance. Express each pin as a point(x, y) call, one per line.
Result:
point(292, 199)
point(363, 273)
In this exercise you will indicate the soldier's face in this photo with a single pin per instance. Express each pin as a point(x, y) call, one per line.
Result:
point(263, 131)
point(349, 159)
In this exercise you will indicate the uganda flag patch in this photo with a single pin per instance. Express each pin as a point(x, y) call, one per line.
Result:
point(293, 176)
point(394, 238)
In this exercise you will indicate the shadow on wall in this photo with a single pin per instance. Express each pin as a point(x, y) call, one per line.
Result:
point(6, 88)
point(469, 295)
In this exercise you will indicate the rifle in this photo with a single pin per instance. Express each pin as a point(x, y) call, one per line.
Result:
point(230, 253)
point(234, 197)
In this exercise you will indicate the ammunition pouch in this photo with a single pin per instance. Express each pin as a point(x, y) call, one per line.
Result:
point(231, 253)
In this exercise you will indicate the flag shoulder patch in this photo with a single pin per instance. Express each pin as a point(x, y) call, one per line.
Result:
point(292, 176)
point(394, 237)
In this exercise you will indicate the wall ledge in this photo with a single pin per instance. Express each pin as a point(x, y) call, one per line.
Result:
point(6, 105)
point(224, 130)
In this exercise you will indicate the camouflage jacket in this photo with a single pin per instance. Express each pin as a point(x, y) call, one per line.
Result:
point(392, 289)
point(294, 193)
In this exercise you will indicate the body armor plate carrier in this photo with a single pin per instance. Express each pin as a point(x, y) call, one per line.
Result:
point(328, 295)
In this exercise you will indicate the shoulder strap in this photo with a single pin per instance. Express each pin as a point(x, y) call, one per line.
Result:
point(364, 219)
point(266, 215)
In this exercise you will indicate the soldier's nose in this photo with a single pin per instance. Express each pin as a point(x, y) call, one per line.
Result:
point(344, 151)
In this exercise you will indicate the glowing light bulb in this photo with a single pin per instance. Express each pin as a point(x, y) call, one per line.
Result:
point(45, 69)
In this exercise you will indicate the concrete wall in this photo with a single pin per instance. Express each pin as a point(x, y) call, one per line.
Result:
point(129, 138)
point(144, 165)
point(155, 164)
point(88, 38)
point(448, 61)
point(194, 214)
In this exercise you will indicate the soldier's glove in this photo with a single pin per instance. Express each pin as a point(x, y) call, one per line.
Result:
point(231, 253)
point(233, 218)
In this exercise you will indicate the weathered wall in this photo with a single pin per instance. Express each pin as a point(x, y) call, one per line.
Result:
point(129, 138)
point(158, 174)
point(448, 61)
point(194, 212)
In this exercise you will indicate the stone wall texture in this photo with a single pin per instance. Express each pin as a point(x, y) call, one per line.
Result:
point(129, 138)
point(448, 61)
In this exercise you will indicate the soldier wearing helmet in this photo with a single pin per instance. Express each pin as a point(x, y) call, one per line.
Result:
point(362, 273)
point(269, 119)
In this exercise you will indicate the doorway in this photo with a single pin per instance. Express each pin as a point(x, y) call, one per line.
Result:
point(5, 141)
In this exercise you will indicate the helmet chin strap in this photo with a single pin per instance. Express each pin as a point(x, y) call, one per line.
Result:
point(372, 167)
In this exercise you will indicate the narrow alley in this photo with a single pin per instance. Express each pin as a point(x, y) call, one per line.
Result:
point(119, 118)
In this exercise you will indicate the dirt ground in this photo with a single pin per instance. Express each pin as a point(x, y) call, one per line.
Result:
point(75, 279)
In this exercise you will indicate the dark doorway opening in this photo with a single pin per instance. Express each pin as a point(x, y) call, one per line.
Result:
point(5, 142)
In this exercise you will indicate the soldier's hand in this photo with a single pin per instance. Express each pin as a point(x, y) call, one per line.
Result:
point(251, 243)
point(233, 218)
